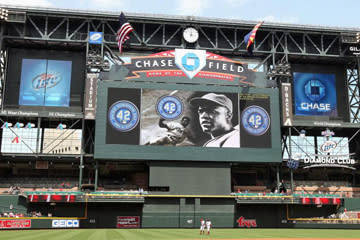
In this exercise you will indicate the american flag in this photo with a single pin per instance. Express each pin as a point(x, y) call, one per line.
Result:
point(249, 39)
point(123, 32)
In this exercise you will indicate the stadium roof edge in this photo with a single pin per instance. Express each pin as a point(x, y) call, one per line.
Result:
point(182, 19)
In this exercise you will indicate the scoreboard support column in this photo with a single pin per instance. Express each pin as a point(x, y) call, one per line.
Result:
point(291, 170)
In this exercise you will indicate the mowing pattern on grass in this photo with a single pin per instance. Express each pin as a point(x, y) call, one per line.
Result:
point(178, 234)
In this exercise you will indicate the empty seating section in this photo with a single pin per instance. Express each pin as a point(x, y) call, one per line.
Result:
point(39, 182)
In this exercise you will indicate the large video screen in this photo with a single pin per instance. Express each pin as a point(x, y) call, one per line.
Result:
point(191, 123)
point(20, 140)
point(44, 80)
point(187, 118)
point(49, 141)
point(62, 141)
point(45, 83)
point(315, 94)
point(320, 92)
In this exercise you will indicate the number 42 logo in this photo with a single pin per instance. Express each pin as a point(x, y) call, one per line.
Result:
point(255, 120)
point(169, 107)
point(123, 115)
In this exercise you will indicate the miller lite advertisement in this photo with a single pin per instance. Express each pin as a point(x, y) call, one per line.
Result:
point(45, 83)
point(315, 94)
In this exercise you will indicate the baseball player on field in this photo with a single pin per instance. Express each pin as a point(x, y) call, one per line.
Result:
point(202, 226)
point(208, 225)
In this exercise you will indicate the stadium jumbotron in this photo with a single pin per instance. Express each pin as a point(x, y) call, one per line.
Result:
point(121, 120)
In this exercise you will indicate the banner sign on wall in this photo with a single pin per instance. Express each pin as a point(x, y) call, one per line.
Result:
point(248, 223)
point(286, 98)
point(128, 222)
point(192, 66)
point(90, 96)
point(315, 94)
point(317, 160)
point(354, 50)
point(15, 223)
point(65, 223)
point(188, 118)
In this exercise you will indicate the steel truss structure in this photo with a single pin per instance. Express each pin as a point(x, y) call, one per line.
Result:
point(275, 43)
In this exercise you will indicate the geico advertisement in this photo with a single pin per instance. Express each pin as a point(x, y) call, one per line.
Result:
point(315, 94)
point(65, 223)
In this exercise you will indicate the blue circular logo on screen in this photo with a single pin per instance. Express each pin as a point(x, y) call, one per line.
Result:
point(123, 116)
point(190, 61)
point(169, 107)
point(314, 90)
point(255, 120)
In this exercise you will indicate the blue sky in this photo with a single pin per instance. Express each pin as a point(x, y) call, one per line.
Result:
point(310, 12)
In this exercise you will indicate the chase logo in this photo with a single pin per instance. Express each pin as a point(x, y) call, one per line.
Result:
point(315, 90)
point(123, 116)
point(44, 80)
point(190, 61)
point(315, 94)
point(95, 37)
point(65, 223)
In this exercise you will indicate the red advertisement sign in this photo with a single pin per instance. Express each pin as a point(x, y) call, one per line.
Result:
point(242, 222)
point(128, 222)
point(15, 223)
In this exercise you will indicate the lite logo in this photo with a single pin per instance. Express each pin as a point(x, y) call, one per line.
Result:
point(95, 37)
point(190, 61)
point(242, 222)
point(328, 146)
point(44, 80)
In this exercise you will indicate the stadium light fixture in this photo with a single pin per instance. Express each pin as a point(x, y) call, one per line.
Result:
point(358, 37)
point(281, 70)
point(4, 13)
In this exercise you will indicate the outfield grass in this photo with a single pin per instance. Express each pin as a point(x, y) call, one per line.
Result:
point(172, 234)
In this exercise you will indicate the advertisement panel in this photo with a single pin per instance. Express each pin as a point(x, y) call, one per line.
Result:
point(287, 111)
point(90, 96)
point(128, 221)
point(315, 94)
point(45, 83)
point(15, 223)
point(65, 223)
point(95, 37)
point(187, 118)
point(188, 66)
point(52, 198)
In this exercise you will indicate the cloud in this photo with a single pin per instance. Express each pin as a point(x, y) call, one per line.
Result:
point(191, 7)
point(29, 3)
point(106, 4)
point(271, 18)
point(236, 3)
